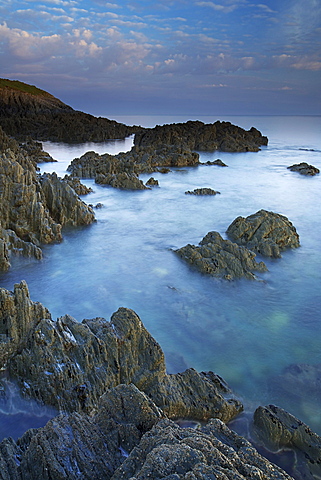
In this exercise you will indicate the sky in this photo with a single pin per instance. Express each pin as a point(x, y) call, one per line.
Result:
point(184, 57)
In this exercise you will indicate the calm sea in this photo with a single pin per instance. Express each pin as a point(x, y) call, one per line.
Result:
point(248, 332)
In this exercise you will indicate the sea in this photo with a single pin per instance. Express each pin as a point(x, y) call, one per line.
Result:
point(250, 332)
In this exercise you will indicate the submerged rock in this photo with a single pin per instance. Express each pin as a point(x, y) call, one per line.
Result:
point(215, 162)
point(69, 365)
point(221, 258)
point(202, 191)
point(264, 232)
point(304, 168)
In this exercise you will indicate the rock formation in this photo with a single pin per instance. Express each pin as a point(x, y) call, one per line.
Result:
point(215, 162)
point(122, 180)
point(29, 111)
point(69, 365)
point(304, 168)
point(196, 135)
point(33, 207)
point(221, 258)
point(278, 430)
point(264, 232)
point(202, 191)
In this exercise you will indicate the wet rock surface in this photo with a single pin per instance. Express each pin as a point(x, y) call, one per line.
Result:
point(304, 169)
point(221, 258)
point(196, 135)
point(264, 232)
point(278, 430)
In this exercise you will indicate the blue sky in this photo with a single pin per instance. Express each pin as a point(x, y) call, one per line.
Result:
point(167, 57)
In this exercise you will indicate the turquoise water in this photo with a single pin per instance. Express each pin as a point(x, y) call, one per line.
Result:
point(245, 331)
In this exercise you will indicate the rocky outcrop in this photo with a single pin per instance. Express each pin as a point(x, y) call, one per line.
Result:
point(264, 232)
point(137, 160)
point(123, 181)
point(209, 452)
point(69, 365)
point(221, 258)
point(28, 111)
point(35, 152)
point(75, 184)
point(304, 168)
point(202, 191)
point(278, 430)
point(196, 135)
point(129, 438)
point(33, 208)
point(215, 162)
point(152, 182)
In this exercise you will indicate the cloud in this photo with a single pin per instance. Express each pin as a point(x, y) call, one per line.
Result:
point(218, 7)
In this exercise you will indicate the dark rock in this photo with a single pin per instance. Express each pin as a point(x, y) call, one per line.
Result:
point(152, 182)
point(35, 152)
point(221, 258)
point(28, 111)
point(264, 232)
point(202, 191)
point(69, 365)
point(122, 180)
point(304, 168)
point(196, 135)
point(210, 452)
point(278, 429)
point(75, 183)
point(215, 162)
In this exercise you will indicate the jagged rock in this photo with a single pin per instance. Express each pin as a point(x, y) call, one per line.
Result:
point(215, 162)
point(28, 111)
point(210, 452)
point(304, 168)
point(75, 183)
point(69, 365)
point(35, 152)
point(202, 191)
point(152, 182)
point(221, 258)
point(196, 135)
point(264, 232)
point(137, 160)
point(123, 180)
point(278, 429)
point(33, 208)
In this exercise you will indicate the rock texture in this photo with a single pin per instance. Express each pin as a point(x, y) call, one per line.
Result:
point(202, 191)
point(304, 168)
point(28, 111)
point(69, 365)
point(196, 135)
point(278, 429)
point(215, 162)
point(264, 232)
point(33, 208)
point(221, 258)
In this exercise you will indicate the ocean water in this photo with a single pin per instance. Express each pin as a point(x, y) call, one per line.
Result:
point(248, 332)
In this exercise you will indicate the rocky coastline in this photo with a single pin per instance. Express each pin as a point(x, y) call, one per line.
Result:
point(121, 416)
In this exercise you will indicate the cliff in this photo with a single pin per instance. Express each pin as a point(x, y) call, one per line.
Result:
point(26, 111)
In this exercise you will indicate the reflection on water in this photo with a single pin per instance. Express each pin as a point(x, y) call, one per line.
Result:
point(245, 331)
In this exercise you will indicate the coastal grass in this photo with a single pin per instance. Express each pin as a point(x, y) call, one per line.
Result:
point(23, 87)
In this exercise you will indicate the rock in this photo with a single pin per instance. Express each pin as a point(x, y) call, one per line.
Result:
point(221, 258)
point(202, 191)
point(304, 168)
point(33, 208)
point(75, 183)
point(123, 180)
point(210, 452)
point(69, 365)
point(215, 162)
point(196, 135)
point(35, 152)
point(138, 160)
point(278, 429)
point(152, 182)
point(264, 232)
point(28, 111)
